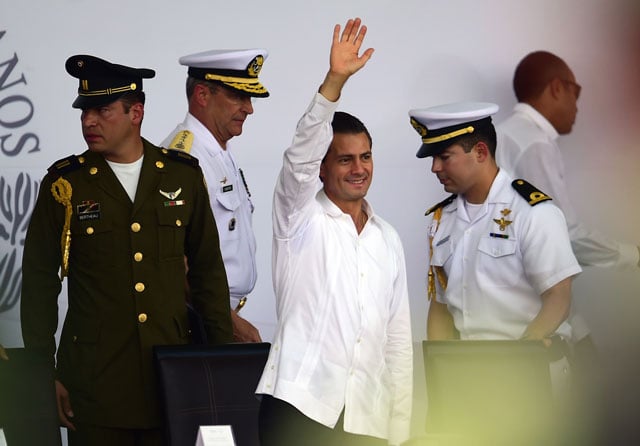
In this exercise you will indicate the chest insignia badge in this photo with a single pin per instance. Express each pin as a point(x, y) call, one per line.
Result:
point(171, 195)
point(502, 221)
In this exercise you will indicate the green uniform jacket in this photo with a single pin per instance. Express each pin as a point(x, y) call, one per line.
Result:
point(126, 280)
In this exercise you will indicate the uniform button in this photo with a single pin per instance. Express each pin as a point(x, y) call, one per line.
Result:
point(178, 223)
point(142, 318)
point(89, 230)
point(137, 257)
point(93, 171)
point(75, 338)
point(81, 159)
point(139, 287)
point(135, 227)
point(159, 164)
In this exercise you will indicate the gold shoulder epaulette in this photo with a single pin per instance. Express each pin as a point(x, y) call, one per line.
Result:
point(181, 156)
point(529, 192)
point(66, 165)
point(442, 204)
point(182, 141)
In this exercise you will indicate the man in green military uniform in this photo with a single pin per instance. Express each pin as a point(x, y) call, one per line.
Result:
point(118, 221)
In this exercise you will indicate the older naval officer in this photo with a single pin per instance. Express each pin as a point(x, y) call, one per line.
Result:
point(220, 87)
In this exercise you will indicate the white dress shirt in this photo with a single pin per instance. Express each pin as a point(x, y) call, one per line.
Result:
point(527, 149)
point(230, 203)
point(496, 275)
point(343, 338)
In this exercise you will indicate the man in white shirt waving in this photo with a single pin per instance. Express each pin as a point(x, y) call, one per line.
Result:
point(340, 366)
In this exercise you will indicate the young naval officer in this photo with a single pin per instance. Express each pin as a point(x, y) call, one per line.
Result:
point(118, 221)
point(500, 259)
point(221, 85)
point(340, 367)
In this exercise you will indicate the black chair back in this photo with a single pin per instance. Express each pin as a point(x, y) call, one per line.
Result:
point(209, 385)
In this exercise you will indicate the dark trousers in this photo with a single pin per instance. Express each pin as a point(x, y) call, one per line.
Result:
point(89, 435)
point(281, 424)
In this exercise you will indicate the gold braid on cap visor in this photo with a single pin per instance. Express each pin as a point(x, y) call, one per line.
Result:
point(86, 92)
point(449, 135)
point(250, 85)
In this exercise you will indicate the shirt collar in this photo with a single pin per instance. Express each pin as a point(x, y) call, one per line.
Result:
point(334, 211)
point(537, 118)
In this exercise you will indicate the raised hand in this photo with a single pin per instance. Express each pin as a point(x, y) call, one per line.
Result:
point(345, 58)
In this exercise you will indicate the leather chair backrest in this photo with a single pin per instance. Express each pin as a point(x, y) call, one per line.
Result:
point(209, 385)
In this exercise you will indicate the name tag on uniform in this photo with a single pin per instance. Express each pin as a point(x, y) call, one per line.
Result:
point(227, 188)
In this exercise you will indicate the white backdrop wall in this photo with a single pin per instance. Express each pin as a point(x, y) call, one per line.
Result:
point(427, 52)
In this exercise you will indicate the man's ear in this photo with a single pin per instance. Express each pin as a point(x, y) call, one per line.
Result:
point(201, 94)
point(137, 112)
point(482, 151)
point(556, 88)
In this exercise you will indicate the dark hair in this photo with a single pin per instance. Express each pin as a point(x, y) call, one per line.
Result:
point(131, 97)
point(346, 123)
point(485, 133)
point(534, 72)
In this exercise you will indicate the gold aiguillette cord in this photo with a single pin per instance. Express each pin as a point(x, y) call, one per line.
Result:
point(435, 271)
point(61, 191)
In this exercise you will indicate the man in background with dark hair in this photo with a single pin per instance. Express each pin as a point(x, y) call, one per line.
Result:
point(340, 367)
point(547, 94)
point(118, 222)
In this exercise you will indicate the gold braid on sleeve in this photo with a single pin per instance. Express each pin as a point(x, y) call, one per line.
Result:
point(435, 271)
point(61, 191)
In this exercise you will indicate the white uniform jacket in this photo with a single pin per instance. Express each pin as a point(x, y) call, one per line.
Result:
point(230, 202)
point(499, 264)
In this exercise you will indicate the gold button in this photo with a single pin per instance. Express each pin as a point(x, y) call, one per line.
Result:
point(81, 159)
point(165, 151)
point(89, 230)
point(159, 164)
point(142, 318)
point(135, 227)
point(75, 338)
point(137, 257)
point(178, 223)
point(139, 287)
point(93, 170)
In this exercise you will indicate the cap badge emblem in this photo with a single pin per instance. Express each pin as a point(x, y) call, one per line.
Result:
point(255, 66)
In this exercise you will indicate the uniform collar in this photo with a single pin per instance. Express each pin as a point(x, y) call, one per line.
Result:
point(203, 133)
point(498, 193)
